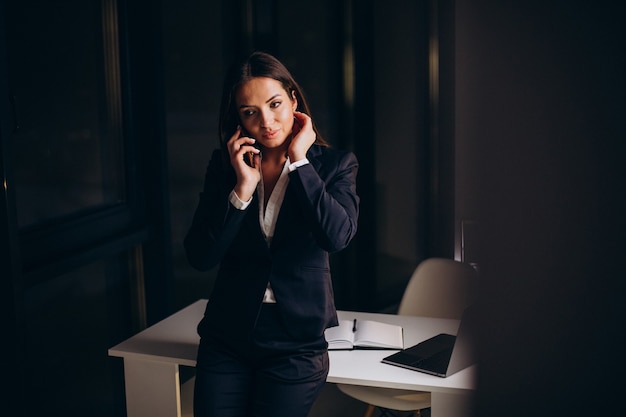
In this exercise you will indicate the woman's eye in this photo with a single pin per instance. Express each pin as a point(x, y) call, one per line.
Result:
point(275, 104)
point(247, 113)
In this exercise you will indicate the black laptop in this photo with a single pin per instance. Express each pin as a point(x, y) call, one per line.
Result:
point(441, 355)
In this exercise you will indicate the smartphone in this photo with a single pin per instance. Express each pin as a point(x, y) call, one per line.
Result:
point(248, 157)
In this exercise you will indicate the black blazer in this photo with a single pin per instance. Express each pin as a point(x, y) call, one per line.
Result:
point(318, 216)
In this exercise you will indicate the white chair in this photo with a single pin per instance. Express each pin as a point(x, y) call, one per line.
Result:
point(440, 288)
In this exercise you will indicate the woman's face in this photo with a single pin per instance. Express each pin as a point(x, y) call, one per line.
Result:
point(266, 111)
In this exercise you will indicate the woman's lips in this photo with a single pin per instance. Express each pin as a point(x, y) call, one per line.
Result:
point(270, 134)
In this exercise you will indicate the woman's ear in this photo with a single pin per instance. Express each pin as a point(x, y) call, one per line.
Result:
point(294, 100)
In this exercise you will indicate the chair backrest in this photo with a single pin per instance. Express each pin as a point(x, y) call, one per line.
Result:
point(439, 288)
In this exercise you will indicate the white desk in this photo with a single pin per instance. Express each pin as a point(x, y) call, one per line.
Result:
point(153, 356)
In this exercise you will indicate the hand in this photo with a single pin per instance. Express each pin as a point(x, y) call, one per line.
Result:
point(247, 176)
point(303, 137)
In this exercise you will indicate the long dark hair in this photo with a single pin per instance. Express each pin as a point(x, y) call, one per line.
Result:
point(258, 64)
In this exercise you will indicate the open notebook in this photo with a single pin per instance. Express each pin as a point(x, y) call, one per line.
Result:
point(441, 355)
point(364, 334)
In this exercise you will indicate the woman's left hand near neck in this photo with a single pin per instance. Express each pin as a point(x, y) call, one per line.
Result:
point(303, 137)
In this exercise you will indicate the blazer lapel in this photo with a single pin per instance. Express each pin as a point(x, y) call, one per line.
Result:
point(284, 222)
point(289, 216)
point(251, 221)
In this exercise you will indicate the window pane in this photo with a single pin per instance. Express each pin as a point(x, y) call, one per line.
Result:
point(64, 82)
point(70, 322)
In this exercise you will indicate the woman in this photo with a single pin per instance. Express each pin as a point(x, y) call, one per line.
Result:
point(276, 201)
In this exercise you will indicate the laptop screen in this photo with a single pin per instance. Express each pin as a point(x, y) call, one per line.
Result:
point(431, 356)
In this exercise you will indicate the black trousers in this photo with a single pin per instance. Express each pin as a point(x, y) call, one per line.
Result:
point(266, 375)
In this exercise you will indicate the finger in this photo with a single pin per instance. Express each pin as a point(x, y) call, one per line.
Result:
point(303, 121)
point(253, 159)
point(230, 144)
point(300, 114)
point(302, 117)
point(240, 145)
point(248, 149)
point(247, 153)
point(247, 144)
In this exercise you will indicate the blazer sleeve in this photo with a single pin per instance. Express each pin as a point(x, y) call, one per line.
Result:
point(326, 189)
point(215, 222)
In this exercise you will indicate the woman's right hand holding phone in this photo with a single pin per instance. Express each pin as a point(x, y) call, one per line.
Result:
point(240, 148)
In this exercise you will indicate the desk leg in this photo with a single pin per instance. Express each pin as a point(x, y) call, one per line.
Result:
point(152, 389)
point(451, 405)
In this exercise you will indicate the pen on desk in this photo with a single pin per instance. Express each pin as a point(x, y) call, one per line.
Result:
point(354, 326)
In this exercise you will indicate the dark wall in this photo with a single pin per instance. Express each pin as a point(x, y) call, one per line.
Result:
point(540, 96)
